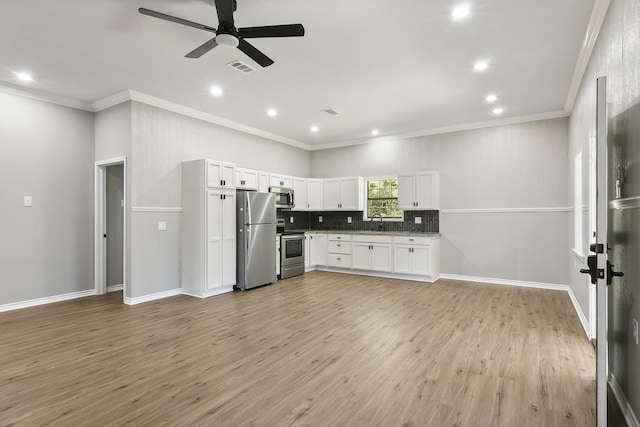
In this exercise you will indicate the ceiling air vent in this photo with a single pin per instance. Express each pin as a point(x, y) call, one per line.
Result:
point(241, 66)
point(330, 111)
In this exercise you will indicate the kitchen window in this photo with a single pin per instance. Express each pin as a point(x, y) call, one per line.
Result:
point(382, 199)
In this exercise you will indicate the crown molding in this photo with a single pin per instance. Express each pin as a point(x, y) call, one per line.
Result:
point(111, 101)
point(39, 95)
point(446, 129)
point(598, 14)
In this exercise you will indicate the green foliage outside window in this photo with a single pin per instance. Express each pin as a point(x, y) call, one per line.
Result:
point(382, 198)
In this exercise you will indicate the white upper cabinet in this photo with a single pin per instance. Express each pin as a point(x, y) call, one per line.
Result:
point(300, 194)
point(221, 174)
point(247, 178)
point(314, 194)
point(344, 194)
point(418, 191)
point(263, 182)
point(278, 180)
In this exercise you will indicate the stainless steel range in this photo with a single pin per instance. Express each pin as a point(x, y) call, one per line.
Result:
point(291, 252)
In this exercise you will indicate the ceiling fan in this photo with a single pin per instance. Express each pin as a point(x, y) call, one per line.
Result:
point(228, 35)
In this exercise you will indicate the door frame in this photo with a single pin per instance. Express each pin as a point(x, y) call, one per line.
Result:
point(100, 224)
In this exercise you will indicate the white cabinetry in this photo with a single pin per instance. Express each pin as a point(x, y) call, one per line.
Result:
point(339, 250)
point(310, 251)
point(220, 174)
point(419, 190)
point(208, 230)
point(321, 249)
point(278, 180)
point(314, 194)
point(371, 252)
point(416, 255)
point(247, 178)
point(344, 194)
point(300, 194)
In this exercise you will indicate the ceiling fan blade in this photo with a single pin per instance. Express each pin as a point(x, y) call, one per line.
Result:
point(225, 9)
point(253, 53)
point(177, 20)
point(292, 30)
point(202, 49)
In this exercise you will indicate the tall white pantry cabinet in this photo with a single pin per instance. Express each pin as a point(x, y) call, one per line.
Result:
point(208, 227)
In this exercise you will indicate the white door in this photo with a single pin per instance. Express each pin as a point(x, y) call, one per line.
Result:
point(214, 239)
point(229, 238)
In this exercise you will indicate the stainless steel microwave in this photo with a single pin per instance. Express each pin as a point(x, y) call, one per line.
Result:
point(284, 197)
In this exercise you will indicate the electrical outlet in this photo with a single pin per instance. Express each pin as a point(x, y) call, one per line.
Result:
point(290, 220)
point(28, 201)
point(418, 220)
point(635, 330)
point(162, 225)
point(320, 218)
point(348, 220)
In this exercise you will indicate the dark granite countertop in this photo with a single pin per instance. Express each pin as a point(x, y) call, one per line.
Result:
point(379, 233)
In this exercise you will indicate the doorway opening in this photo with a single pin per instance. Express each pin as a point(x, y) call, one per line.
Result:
point(110, 226)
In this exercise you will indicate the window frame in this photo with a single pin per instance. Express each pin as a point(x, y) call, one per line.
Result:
point(365, 213)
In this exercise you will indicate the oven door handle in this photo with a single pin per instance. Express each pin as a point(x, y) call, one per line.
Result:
point(294, 237)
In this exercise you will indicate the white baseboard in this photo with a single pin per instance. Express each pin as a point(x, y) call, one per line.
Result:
point(581, 316)
point(47, 300)
point(398, 276)
point(115, 288)
point(218, 291)
point(526, 284)
point(152, 297)
point(623, 403)
point(508, 282)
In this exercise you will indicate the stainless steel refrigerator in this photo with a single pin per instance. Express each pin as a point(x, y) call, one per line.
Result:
point(256, 220)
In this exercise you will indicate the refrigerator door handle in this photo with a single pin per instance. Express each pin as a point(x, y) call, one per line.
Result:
point(248, 211)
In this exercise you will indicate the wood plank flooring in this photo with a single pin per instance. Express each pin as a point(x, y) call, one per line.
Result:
point(323, 349)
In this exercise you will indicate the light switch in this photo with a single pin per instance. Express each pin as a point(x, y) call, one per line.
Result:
point(418, 220)
point(162, 225)
point(320, 218)
point(28, 201)
point(348, 220)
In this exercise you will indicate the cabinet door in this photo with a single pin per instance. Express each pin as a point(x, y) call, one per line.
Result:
point(313, 249)
point(402, 259)
point(221, 174)
point(425, 194)
point(314, 194)
point(229, 175)
point(420, 260)
point(321, 245)
point(229, 239)
point(300, 194)
point(287, 181)
point(361, 256)
point(307, 250)
point(249, 179)
point(406, 191)
point(349, 193)
point(381, 257)
point(331, 194)
point(263, 183)
point(214, 239)
point(275, 180)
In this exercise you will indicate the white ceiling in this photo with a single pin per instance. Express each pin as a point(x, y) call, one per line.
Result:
point(403, 67)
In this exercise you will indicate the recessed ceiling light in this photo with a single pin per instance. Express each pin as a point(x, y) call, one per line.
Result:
point(480, 65)
point(375, 132)
point(25, 77)
point(216, 91)
point(497, 111)
point(314, 129)
point(460, 12)
point(272, 112)
point(491, 98)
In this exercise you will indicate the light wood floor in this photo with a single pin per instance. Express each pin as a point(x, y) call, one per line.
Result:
point(323, 349)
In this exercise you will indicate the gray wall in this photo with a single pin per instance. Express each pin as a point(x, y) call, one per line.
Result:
point(162, 140)
point(520, 166)
point(46, 151)
point(617, 56)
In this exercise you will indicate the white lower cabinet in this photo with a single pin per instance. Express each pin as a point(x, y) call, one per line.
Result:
point(339, 250)
point(310, 250)
point(373, 253)
point(416, 256)
point(321, 249)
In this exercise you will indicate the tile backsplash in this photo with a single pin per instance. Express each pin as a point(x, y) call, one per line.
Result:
point(338, 220)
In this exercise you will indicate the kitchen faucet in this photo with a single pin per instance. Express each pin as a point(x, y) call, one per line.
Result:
point(377, 215)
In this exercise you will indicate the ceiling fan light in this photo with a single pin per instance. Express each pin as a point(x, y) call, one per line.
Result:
point(227, 40)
